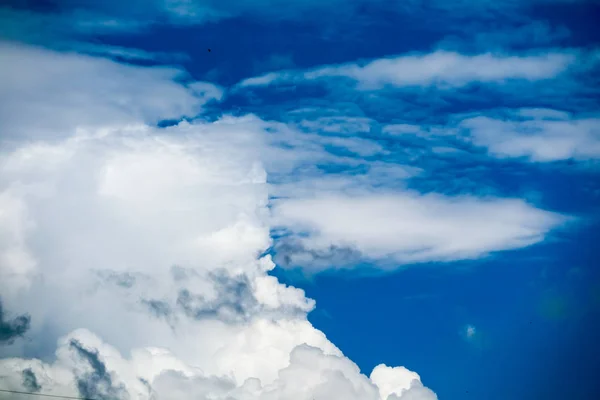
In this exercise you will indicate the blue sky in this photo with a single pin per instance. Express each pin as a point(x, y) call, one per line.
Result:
point(293, 199)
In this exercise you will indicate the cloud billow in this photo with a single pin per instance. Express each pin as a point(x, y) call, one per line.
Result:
point(94, 218)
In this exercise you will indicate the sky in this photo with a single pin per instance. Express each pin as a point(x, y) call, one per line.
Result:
point(301, 199)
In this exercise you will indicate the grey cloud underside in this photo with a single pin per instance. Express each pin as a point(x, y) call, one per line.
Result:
point(179, 273)
point(231, 299)
point(158, 308)
point(12, 329)
point(234, 301)
point(292, 253)
point(97, 383)
point(122, 279)
point(30, 381)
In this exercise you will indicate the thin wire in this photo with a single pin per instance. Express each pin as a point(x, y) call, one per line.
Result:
point(44, 395)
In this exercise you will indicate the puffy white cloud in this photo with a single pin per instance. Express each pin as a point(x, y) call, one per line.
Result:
point(45, 93)
point(443, 69)
point(131, 201)
point(151, 238)
point(86, 365)
point(113, 211)
point(17, 264)
point(539, 134)
point(404, 227)
point(399, 383)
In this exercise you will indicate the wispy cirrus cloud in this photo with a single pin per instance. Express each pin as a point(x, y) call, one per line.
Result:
point(527, 34)
point(442, 69)
point(393, 229)
point(534, 134)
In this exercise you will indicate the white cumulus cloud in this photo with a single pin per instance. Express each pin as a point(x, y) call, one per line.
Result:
point(86, 365)
point(45, 93)
point(139, 249)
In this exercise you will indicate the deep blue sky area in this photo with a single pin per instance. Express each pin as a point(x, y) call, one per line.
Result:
point(245, 46)
point(536, 310)
point(503, 322)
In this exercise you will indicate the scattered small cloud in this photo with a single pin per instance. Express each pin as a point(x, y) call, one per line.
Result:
point(470, 331)
point(539, 135)
point(475, 337)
